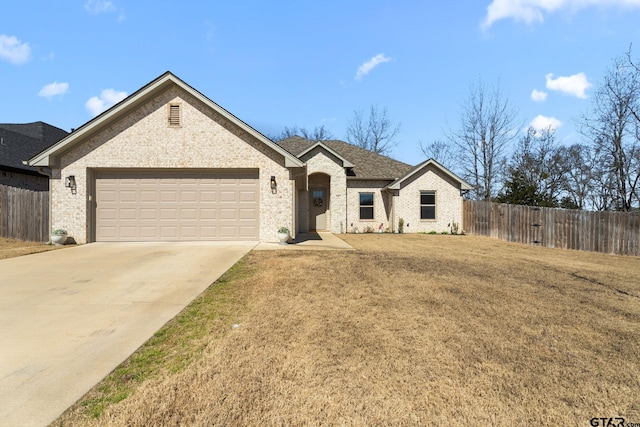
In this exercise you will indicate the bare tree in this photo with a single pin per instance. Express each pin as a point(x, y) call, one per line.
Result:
point(444, 152)
point(375, 132)
point(580, 176)
point(613, 128)
point(318, 134)
point(487, 128)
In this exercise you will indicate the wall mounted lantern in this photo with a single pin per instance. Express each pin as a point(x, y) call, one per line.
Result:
point(70, 182)
point(274, 185)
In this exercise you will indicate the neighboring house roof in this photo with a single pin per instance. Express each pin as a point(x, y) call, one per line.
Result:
point(138, 98)
point(19, 142)
point(396, 185)
point(366, 164)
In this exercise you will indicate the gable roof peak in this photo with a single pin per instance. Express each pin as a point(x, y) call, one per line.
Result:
point(366, 164)
point(139, 97)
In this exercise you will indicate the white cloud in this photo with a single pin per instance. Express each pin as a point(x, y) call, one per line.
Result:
point(538, 95)
point(53, 89)
point(107, 99)
point(366, 68)
point(541, 123)
point(575, 84)
point(13, 50)
point(531, 11)
point(96, 7)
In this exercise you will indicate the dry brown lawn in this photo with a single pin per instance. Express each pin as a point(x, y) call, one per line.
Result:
point(10, 248)
point(410, 330)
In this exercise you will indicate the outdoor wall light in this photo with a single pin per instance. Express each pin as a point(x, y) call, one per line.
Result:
point(70, 182)
point(274, 185)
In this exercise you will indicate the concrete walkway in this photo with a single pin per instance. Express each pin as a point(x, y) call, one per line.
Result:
point(314, 241)
point(69, 317)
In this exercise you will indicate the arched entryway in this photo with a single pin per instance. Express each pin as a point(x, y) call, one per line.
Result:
point(319, 197)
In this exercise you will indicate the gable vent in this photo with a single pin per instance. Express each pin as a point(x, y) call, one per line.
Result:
point(174, 115)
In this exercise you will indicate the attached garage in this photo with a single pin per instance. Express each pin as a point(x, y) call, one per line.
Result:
point(176, 205)
point(169, 164)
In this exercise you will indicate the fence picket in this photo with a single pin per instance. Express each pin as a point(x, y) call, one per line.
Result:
point(24, 214)
point(607, 232)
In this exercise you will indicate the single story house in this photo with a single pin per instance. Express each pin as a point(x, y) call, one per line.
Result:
point(168, 164)
point(21, 141)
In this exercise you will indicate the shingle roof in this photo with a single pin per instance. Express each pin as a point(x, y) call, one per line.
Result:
point(367, 164)
point(20, 142)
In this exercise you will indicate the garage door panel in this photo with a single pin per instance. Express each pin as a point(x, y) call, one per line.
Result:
point(169, 232)
point(245, 196)
point(148, 196)
point(148, 232)
point(228, 214)
point(188, 196)
point(208, 214)
point(228, 232)
point(188, 214)
point(247, 214)
point(168, 196)
point(228, 196)
point(148, 214)
point(127, 231)
point(107, 214)
point(189, 231)
point(247, 231)
point(128, 214)
point(108, 196)
point(176, 205)
point(208, 195)
point(168, 214)
point(128, 196)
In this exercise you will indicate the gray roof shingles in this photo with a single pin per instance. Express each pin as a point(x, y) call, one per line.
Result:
point(367, 164)
point(20, 142)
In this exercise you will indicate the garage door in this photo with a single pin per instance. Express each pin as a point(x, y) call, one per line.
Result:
point(174, 205)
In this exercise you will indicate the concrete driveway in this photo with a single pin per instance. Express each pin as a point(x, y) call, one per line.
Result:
point(69, 317)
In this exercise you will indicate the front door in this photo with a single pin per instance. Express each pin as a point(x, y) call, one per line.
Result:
point(318, 209)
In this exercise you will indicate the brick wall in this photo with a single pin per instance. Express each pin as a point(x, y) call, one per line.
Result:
point(448, 202)
point(143, 139)
point(319, 160)
point(406, 204)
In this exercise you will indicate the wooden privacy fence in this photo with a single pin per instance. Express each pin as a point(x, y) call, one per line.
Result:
point(607, 232)
point(24, 214)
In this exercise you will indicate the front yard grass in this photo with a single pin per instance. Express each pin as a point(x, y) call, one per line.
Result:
point(10, 248)
point(406, 330)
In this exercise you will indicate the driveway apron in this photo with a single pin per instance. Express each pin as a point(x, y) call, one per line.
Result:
point(69, 317)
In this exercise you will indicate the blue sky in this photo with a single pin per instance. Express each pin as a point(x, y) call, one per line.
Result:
point(308, 63)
